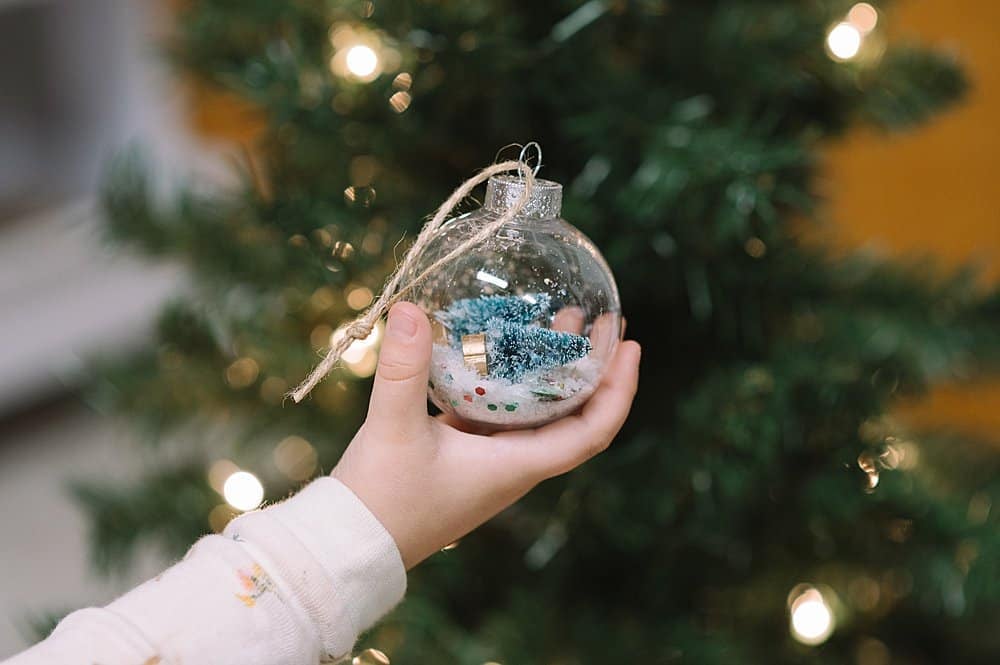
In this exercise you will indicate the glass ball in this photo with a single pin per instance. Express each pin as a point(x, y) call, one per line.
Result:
point(526, 321)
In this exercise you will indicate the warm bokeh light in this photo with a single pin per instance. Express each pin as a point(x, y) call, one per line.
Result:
point(243, 491)
point(361, 60)
point(242, 372)
point(811, 617)
point(400, 101)
point(220, 516)
point(755, 247)
point(361, 357)
point(403, 81)
point(863, 16)
point(370, 657)
point(296, 458)
point(342, 250)
point(359, 297)
point(979, 508)
point(872, 652)
point(360, 54)
point(864, 593)
point(320, 336)
point(273, 389)
point(868, 463)
point(219, 472)
point(844, 41)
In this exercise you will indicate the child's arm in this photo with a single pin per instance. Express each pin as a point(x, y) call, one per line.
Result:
point(294, 583)
point(297, 582)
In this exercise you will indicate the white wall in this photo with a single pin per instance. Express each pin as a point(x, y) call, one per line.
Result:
point(85, 82)
point(43, 546)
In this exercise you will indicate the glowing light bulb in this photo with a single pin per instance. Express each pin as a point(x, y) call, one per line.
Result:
point(361, 60)
point(811, 617)
point(243, 491)
point(844, 41)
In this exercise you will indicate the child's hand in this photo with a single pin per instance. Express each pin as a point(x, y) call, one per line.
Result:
point(430, 483)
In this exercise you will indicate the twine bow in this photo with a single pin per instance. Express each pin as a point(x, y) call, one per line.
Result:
point(395, 289)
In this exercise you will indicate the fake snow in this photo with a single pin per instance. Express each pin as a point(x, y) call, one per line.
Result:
point(538, 398)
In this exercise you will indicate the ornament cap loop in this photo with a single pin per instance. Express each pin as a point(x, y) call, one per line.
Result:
point(523, 157)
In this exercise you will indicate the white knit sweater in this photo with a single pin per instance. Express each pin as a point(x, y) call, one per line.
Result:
point(294, 583)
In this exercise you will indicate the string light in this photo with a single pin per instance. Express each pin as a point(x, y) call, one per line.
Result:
point(863, 16)
point(361, 54)
point(361, 60)
point(811, 618)
point(843, 41)
point(243, 491)
point(357, 55)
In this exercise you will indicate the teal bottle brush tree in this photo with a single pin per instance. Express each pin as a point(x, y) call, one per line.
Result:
point(516, 345)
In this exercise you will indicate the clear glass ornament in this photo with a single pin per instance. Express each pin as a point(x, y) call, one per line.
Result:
point(526, 321)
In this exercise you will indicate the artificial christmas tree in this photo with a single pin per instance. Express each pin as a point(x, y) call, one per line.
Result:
point(760, 505)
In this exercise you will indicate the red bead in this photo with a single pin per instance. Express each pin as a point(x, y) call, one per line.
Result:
point(467, 398)
point(480, 390)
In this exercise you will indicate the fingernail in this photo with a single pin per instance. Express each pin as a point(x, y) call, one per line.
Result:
point(401, 326)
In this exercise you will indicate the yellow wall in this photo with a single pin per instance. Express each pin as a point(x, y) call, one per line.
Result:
point(937, 190)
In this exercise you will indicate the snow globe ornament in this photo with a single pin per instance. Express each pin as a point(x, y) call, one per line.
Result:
point(526, 321)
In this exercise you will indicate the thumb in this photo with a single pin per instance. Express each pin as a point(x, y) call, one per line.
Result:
point(399, 396)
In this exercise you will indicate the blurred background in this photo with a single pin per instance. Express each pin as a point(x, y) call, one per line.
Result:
point(80, 80)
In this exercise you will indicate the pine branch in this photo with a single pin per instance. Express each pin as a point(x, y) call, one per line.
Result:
point(168, 506)
point(910, 86)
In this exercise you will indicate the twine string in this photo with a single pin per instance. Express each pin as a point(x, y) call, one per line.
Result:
point(395, 288)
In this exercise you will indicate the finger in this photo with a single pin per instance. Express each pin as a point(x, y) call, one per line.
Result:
point(399, 396)
point(605, 331)
point(560, 446)
point(453, 421)
point(569, 319)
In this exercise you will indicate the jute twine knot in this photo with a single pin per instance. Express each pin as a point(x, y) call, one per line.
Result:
point(359, 330)
point(395, 288)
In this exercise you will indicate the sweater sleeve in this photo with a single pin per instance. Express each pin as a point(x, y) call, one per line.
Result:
point(294, 583)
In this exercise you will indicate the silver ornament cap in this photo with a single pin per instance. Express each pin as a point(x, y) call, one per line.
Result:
point(503, 191)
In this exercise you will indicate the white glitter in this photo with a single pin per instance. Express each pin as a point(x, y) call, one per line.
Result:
point(534, 401)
